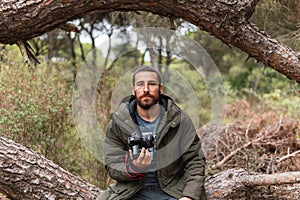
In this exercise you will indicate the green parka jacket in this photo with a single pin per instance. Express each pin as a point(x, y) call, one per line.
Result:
point(180, 161)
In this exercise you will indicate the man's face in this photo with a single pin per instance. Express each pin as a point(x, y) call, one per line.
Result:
point(146, 89)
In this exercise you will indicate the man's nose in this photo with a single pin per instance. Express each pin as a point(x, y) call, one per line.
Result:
point(146, 88)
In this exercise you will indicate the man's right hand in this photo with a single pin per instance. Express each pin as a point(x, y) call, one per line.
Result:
point(144, 159)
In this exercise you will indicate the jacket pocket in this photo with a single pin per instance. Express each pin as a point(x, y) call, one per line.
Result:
point(122, 190)
point(104, 195)
point(118, 188)
point(113, 192)
point(118, 191)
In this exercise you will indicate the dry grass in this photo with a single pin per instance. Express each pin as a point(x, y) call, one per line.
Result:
point(263, 142)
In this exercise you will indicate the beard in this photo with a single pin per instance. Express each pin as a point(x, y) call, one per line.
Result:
point(147, 104)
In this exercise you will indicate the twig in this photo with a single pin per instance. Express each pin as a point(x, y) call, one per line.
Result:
point(228, 157)
point(288, 156)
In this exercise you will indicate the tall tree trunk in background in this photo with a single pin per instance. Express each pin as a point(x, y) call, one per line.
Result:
point(143, 57)
point(256, 76)
point(94, 52)
point(72, 47)
point(82, 53)
point(152, 54)
point(160, 56)
point(109, 48)
point(2, 49)
point(51, 45)
point(90, 31)
point(168, 61)
point(73, 54)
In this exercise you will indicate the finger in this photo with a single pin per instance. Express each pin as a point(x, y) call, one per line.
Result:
point(145, 158)
point(142, 153)
point(148, 157)
point(141, 158)
point(130, 154)
point(143, 150)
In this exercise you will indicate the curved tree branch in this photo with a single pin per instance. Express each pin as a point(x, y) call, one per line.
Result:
point(225, 19)
point(25, 174)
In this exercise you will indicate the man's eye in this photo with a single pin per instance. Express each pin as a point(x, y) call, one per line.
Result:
point(140, 84)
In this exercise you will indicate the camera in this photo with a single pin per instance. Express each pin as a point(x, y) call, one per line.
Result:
point(137, 142)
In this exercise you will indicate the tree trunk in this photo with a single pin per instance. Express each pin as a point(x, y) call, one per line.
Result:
point(26, 175)
point(225, 19)
point(235, 184)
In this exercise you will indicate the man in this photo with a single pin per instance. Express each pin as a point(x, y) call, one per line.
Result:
point(170, 164)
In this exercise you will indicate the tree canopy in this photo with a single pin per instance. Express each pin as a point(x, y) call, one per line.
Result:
point(225, 19)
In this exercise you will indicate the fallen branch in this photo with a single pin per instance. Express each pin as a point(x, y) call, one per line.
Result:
point(27, 175)
point(238, 184)
point(288, 156)
point(220, 164)
point(262, 147)
point(228, 157)
point(271, 179)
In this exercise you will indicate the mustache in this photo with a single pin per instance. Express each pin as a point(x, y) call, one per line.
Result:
point(147, 95)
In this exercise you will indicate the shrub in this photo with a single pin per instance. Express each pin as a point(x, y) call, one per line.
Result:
point(35, 105)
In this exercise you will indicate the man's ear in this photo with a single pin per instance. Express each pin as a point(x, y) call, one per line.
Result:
point(132, 90)
point(161, 88)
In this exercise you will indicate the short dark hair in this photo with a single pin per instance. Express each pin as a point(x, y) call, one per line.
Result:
point(145, 68)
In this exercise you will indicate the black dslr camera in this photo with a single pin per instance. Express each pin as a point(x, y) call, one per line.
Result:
point(137, 142)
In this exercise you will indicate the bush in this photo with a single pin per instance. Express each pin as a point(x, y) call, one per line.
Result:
point(36, 107)
point(258, 141)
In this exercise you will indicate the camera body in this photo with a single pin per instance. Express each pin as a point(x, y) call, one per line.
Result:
point(137, 142)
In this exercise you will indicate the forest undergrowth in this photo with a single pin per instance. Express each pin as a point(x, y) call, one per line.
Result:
point(262, 141)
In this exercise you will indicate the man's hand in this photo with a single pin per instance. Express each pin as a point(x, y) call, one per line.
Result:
point(144, 159)
point(185, 198)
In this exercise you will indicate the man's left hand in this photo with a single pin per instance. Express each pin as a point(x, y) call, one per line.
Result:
point(185, 198)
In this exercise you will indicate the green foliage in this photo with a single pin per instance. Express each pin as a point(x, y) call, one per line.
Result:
point(264, 87)
point(35, 105)
point(199, 87)
point(245, 79)
point(285, 102)
point(258, 79)
point(224, 57)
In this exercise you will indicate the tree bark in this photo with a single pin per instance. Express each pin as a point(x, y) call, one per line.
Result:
point(26, 175)
point(225, 19)
point(235, 184)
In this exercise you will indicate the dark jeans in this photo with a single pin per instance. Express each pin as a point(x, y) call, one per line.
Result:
point(152, 193)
